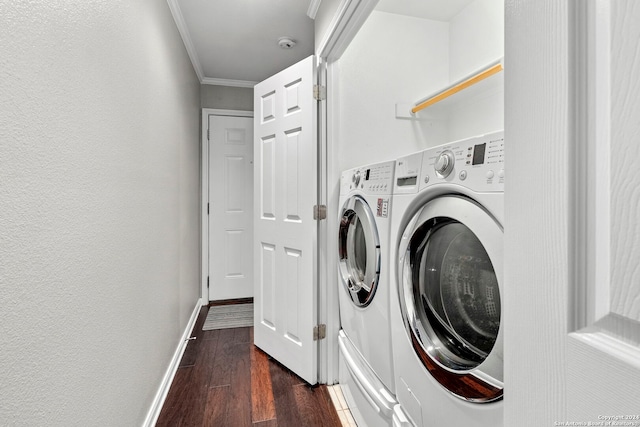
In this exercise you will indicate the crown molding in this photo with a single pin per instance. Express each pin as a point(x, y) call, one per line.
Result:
point(227, 82)
point(186, 37)
point(313, 8)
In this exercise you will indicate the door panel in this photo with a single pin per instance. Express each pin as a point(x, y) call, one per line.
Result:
point(607, 333)
point(572, 337)
point(285, 232)
point(230, 207)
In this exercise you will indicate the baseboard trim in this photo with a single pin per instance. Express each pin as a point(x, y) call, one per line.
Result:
point(161, 395)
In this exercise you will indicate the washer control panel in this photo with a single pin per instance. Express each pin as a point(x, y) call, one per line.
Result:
point(373, 179)
point(476, 163)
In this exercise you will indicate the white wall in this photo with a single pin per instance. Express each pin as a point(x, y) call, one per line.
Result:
point(226, 97)
point(476, 38)
point(99, 199)
point(392, 59)
point(400, 59)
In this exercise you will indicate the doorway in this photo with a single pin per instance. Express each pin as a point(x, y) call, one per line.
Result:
point(227, 204)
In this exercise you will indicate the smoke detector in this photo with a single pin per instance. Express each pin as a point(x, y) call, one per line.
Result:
point(286, 42)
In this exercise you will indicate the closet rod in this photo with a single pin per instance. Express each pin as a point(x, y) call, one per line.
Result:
point(457, 87)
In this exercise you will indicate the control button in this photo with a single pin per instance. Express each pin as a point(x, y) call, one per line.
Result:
point(501, 173)
point(356, 178)
point(490, 175)
point(426, 179)
point(463, 175)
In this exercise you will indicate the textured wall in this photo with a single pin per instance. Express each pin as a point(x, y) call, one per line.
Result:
point(226, 97)
point(99, 196)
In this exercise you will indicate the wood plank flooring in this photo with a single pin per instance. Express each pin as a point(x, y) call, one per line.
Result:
point(224, 380)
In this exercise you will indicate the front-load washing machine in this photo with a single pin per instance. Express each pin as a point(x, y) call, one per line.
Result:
point(366, 364)
point(447, 256)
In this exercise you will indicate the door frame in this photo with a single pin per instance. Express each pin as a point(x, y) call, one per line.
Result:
point(204, 193)
point(349, 17)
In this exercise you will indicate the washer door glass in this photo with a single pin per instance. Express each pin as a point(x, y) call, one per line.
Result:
point(456, 289)
point(359, 251)
point(450, 271)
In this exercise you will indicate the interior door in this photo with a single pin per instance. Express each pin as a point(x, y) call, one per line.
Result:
point(285, 192)
point(572, 339)
point(230, 207)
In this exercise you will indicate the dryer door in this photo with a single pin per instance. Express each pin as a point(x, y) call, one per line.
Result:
point(359, 251)
point(450, 265)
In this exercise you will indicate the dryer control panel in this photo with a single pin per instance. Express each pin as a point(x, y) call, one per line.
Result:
point(476, 163)
point(371, 179)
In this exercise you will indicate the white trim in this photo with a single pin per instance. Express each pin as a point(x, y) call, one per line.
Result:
point(186, 37)
point(324, 277)
point(611, 346)
point(165, 385)
point(591, 177)
point(227, 82)
point(346, 22)
point(313, 8)
point(235, 113)
point(204, 185)
point(332, 198)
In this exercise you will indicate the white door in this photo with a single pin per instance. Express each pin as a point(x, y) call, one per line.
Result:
point(572, 213)
point(285, 188)
point(230, 207)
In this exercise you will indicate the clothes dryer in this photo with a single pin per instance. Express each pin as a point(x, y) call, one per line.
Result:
point(366, 364)
point(447, 269)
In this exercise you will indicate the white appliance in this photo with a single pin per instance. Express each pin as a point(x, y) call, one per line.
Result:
point(366, 363)
point(447, 256)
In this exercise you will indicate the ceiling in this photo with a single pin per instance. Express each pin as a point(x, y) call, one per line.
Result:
point(235, 42)
point(438, 10)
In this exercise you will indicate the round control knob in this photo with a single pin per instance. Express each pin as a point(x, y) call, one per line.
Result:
point(444, 163)
point(356, 178)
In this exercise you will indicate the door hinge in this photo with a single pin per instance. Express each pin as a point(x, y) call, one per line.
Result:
point(207, 208)
point(208, 133)
point(319, 92)
point(319, 212)
point(319, 332)
point(207, 282)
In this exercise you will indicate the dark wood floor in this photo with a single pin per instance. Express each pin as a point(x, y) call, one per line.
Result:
point(224, 380)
